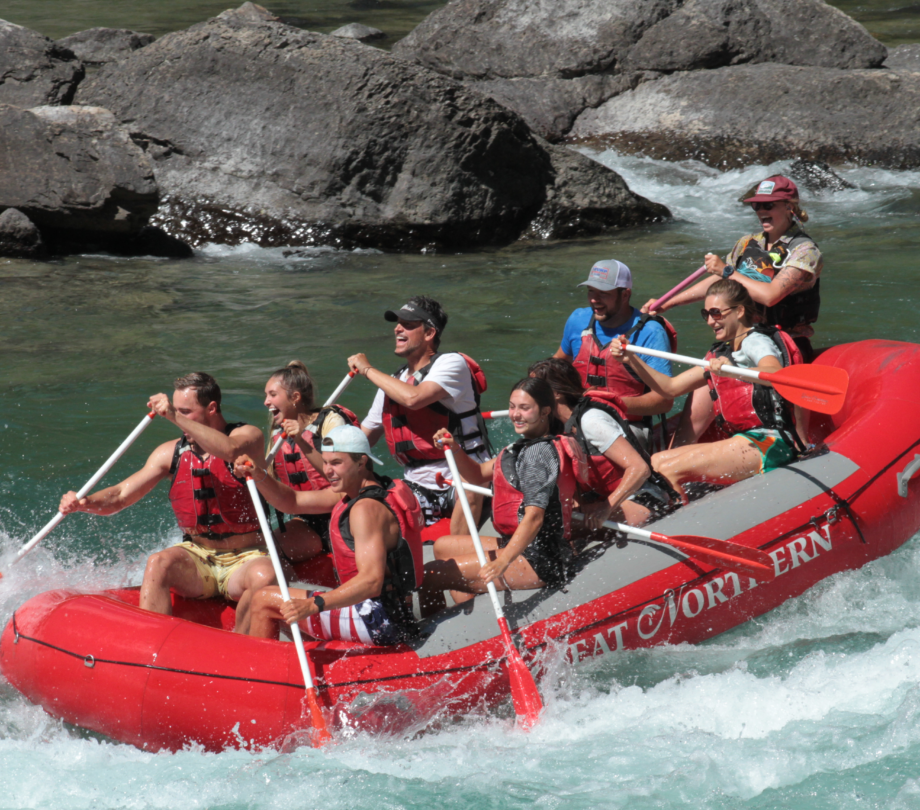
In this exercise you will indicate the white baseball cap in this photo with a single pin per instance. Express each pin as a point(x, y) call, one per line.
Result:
point(348, 439)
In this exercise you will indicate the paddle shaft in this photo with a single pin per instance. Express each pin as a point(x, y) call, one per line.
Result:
point(322, 731)
point(122, 448)
point(679, 288)
point(526, 698)
point(722, 553)
point(744, 373)
point(331, 401)
point(493, 414)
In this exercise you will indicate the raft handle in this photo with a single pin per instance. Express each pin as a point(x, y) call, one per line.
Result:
point(89, 661)
point(904, 477)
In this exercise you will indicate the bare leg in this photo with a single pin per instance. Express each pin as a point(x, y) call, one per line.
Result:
point(722, 462)
point(172, 568)
point(458, 523)
point(265, 612)
point(299, 542)
point(696, 416)
point(243, 583)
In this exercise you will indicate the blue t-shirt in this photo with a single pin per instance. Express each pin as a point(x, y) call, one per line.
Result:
point(650, 336)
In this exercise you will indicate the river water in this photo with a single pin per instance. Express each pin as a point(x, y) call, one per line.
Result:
point(815, 705)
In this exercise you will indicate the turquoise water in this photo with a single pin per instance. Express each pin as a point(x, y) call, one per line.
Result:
point(813, 706)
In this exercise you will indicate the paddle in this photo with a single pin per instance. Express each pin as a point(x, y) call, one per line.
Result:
point(721, 553)
point(680, 287)
point(331, 401)
point(321, 733)
point(142, 426)
point(524, 694)
point(493, 414)
point(813, 387)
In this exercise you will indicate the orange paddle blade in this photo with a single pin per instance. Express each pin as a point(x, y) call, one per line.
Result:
point(723, 554)
point(813, 387)
point(321, 734)
point(524, 694)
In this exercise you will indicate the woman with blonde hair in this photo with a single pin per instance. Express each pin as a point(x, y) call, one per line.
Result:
point(290, 399)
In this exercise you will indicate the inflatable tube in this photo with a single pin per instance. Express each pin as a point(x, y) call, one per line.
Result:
point(98, 661)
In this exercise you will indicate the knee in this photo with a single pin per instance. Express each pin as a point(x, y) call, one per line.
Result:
point(264, 599)
point(260, 574)
point(159, 565)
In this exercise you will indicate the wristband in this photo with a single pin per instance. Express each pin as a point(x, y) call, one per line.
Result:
point(727, 271)
point(319, 602)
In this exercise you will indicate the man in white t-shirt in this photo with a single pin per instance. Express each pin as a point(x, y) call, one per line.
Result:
point(431, 391)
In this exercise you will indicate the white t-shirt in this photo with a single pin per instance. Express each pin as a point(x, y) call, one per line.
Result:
point(754, 348)
point(600, 430)
point(452, 374)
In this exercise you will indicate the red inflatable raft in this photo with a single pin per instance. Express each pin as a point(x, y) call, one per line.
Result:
point(100, 662)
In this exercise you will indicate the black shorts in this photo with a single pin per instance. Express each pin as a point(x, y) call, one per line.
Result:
point(550, 556)
point(435, 503)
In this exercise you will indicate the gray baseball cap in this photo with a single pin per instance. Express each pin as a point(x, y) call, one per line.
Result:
point(348, 439)
point(609, 275)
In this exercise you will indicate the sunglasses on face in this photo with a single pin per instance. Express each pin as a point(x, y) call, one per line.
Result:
point(715, 313)
point(763, 206)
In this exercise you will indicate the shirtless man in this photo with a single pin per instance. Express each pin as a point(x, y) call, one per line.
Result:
point(375, 532)
point(222, 551)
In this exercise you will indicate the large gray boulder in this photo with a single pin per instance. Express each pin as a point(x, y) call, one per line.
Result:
point(491, 39)
point(904, 57)
point(718, 33)
point(35, 71)
point(74, 172)
point(868, 116)
point(99, 46)
point(260, 131)
point(550, 60)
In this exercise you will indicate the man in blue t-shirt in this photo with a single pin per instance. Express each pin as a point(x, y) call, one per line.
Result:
point(609, 314)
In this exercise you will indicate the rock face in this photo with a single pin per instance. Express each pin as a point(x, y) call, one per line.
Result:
point(99, 46)
point(74, 172)
point(816, 177)
point(263, 132)
point(553, 61)
point(19, 238)
point(815, 113)
point(35, 71)
point(904, 57)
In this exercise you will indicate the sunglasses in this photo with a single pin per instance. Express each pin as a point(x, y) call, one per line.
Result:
point(715, 313)
point(763, 206)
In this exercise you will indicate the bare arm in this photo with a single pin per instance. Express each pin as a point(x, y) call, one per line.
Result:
point(281, 496)
point(245, 439)
point(472, 471)
point(635, 473)
point(374, 529)
point(561, 355)
point(412, 397)
point(115, 498)
point(650, 403)
point(523, 536)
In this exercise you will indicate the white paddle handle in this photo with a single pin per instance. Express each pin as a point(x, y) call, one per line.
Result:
point(122, 448)
point(744, 373)
point(474, 532)
point(279, 575)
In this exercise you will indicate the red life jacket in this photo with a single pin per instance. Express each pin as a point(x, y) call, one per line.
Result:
point(507, 497)
point(205, 495)
point(603, 475)
point(409, 433)
point(599, 370)
point(740, 405)
point(763, 265)
point(404, 563)
point(292, 466)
